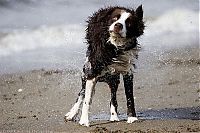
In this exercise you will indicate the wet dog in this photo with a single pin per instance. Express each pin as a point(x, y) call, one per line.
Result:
point(111, 35)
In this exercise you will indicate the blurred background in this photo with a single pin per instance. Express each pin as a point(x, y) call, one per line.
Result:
point(49, 34)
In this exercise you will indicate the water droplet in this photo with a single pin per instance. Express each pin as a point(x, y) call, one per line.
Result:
point(20, 90)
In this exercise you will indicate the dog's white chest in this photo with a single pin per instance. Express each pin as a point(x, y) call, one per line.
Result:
point(124, 62)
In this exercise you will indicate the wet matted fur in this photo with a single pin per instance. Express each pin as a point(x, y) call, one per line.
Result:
point(111, 35)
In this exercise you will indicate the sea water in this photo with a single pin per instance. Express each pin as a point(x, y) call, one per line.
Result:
point(47, 34)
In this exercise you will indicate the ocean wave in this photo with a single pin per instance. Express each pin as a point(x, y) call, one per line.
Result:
point(71, 36)
point(175, 28)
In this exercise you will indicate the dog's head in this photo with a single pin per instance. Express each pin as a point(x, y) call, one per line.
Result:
point(125, 23)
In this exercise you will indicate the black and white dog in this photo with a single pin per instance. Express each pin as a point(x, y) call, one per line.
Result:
point(111, 35)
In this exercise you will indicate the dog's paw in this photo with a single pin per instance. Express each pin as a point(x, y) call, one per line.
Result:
point(113, 112)
point(72, 113)
point(70, 116)
point(132, 119)
point(84, 122)
point(114, 118)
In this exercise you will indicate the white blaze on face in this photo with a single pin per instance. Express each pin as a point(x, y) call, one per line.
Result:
point(121, 20)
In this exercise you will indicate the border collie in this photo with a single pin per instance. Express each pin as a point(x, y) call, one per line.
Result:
point(111, 36)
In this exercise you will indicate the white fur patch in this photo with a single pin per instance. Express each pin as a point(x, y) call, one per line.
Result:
point(113, 116)
point(90, 84)
point(124, 63)
point(121, 20)
point(117, 41)
point(74, 110)
point(132, 119)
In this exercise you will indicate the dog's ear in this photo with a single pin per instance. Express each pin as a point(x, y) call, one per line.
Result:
point(139, 12)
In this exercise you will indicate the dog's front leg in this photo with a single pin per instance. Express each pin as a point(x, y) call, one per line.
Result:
point(113, 82)
point(75, 109)
point(89, 92)
point(128, 85)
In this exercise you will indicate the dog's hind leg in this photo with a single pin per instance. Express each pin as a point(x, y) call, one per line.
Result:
point(113, 82)
point(75, 109)
point(89, 92)
point(128, 85)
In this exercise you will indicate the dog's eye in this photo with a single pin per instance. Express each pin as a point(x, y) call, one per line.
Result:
point(128, 22)
point(115, 18)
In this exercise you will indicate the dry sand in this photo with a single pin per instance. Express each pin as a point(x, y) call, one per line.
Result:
point(166, 89)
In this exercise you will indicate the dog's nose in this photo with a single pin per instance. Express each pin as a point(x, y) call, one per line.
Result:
point(118, 27)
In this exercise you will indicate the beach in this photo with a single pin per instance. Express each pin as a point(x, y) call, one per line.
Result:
point(166, 91)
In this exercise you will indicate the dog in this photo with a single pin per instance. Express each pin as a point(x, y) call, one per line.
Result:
point(111, 36)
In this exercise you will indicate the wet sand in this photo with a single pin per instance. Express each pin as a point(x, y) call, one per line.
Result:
point(166, 90)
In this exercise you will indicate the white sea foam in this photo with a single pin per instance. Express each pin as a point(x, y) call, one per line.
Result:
point(46, 36)
point(176, 28)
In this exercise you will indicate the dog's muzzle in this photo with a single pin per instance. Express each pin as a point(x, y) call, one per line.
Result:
point(118, 27)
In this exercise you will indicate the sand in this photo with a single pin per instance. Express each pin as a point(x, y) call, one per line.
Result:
point(166, 90)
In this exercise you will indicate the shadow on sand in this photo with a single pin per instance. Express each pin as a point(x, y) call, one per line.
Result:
point(192, 113)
